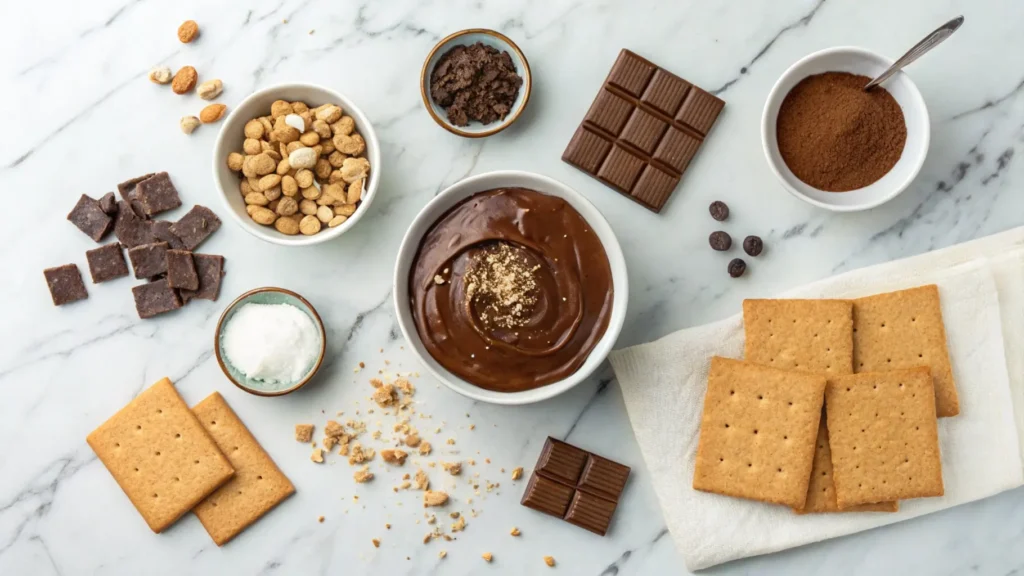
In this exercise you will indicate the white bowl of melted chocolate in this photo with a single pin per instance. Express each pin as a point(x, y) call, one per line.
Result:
point(510, 287)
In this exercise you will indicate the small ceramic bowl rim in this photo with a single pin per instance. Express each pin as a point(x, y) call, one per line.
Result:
point(364, 127)
point(620, 283)
point(768, 132)
point(526, 88)
point(316, 320)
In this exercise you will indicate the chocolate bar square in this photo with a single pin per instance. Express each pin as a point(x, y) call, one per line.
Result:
point(154, 298)
point(547, 496)
point(196, 226)
point(590, 512)
point(603, 477)
point(561, 461)
point(210, 270)
point(65, 283)
point(157, 194)
point(106, 263)
point(181, 270)
point(149, 260)
point(130, 229)
point(90, 218)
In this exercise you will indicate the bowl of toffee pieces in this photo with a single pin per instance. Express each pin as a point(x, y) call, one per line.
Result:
point(475, 83)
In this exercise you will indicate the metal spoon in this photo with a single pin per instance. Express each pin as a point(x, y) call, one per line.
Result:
point(930, 41)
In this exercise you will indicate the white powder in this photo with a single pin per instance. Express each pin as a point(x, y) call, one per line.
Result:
point(273, 343)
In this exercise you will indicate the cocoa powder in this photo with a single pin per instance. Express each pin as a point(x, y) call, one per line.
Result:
point(836, 137)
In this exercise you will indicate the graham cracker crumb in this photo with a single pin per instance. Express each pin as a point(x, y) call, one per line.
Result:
point(320, 519)
point(317, 456)
point(394, 456)
point(434, 498)
point(550, 561)
point(385, 395)
point(364, 475)
point(442, 554)
point(412, 440)
point(450, 441)
point(405, 386)
point(422, 482)
point(459, 525)
point(517, 473)
point(376, 542)
point(387, 526)
point(432, 519)
point(487, 556)
point(453, 468)
point(333, 429)
point(425, 448)
point(304, 433)
point(515, 531)
point(358, 455)
point(329, 443)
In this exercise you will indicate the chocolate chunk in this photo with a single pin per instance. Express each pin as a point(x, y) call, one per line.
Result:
point(547, 496)
point(161, 231)
point(181, 270)
point(737, 267)
point(129, 192)
point(196, 226)
point(210, 270)
point(476, 82)
point(753, 245)
point(719, 210)
point(590, 512)
point(720, 241)
point(90, 218)
point(108, 203)
point(157, 194)
point(106, 263)
point(149, 260)
point(129, 228)
point(155, 298)
point(65, 283)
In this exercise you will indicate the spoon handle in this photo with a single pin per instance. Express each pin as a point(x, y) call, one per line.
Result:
point(930, 41)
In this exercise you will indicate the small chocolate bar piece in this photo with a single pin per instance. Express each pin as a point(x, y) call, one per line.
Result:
point(196, 226)
point(129, 192)
point(210, 270)
point(575, 485)
point(161, 231)
point(90, 218)
point(155, 298)
point(131, 230)
point(642, 130)
point(106, 263)
point(157, 194)
point(149, 260)
point(108, 203)
point(65, 284)
point(181, 270)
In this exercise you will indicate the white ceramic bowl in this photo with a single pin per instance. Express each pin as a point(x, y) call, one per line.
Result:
point(231, 137)
point(915, 113)
point(505, 179)
point(464, 38)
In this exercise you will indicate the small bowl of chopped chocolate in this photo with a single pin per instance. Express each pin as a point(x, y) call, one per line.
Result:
point(475, 82)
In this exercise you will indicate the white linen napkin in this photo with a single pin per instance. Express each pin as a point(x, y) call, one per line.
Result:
point(981, 284)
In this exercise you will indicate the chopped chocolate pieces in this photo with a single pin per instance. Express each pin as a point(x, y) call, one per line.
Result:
point(65, 284)
point(155, 298)
point(129, 192)
point(108, 203)
point(161, 231)
point(720, 241)
point(753, 245)
point(737, 267)
point(130, 228)
point(210, 270)
point(149, 260)
point(157, 194)
point(181, 270)
point(90, 218)
point(476, 82)
point(196, 226)
point(106, 263)
point(719, 210)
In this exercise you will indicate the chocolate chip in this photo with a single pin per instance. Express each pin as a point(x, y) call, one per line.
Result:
point(720, 241)
point(719, 210)
point(753, 245)
point(737, 267)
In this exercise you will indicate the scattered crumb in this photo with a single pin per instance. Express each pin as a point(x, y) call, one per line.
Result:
point(329, 443)
point(320, 519)
point(450, 441)
point(333, 429)
point(434, 498)
point(385, 395)
point(459, 525)
point(515, 531)
point(453, 468)
point(387, 526)
point(395, 456)
point(487, 460)
point(311, 32)
point(432, 519)
point(304, 432)
point(425, 448)
point(412, 440)
point(517, 473)
point(358, 455)
point(472, 426)
point(317, 456)
point(361, 365)
point(422, 482)
point(364, 475)
point(442, 554)
point(487, 556)
point(550, 561)
point(405, 386)
point(376, 542)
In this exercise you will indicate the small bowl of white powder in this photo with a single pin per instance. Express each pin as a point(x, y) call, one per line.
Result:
point(270, 341)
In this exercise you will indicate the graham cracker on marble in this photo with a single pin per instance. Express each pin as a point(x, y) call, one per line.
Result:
point(160, 455)
point(258, 485)
point(806, 335)
point(903, 330)
point(884, 436)
point(821, 492)
point(758, 431)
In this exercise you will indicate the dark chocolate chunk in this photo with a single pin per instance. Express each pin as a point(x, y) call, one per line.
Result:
point(753, 245)
point(181, 270)
point(547, 496)
point(603, 477)
point(129, 228)
point(642, 130)
point(720, 241)
point(149, 260)
point(591, 512)
point(196, 226)
point(155, 298)
point(719, 210)
point(108, 203)
point(161, 230)
point(65, 283)
point(475, 82)
point(561, 461)
point(210, 270)
point(157, 194)
point(129, 192)
point(106, 263)
point(90, 218)
point(737, 267)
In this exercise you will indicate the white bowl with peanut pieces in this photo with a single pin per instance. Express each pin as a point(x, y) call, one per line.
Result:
point(297, 164)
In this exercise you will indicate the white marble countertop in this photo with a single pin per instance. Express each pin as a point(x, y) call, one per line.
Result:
point(82, 117)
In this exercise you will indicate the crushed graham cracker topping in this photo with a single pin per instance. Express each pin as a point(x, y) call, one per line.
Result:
point(502, 284)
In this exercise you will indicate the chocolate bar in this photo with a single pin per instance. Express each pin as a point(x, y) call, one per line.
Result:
point(580, 487)
point(642, 131)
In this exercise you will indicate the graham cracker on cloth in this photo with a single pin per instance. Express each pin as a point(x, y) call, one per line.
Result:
point(160, 455)
point(884, 436)
point(258, 485)
point(904, 329)
point(757, 432)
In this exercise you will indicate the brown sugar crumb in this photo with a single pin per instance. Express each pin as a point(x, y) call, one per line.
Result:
point(550, 561)
point(304, 433)
point(515, 531)
point(487, 556)
point(459, 525)
point(363, 475)
point(453, 468)
point(320, 519)
point(422, 482)
point(317, 455)
point(394, 456)
point(517, 473)
point(385, 395)
point(502, 283)
point(412, 440)
point(434, 498)
point(425, 448)
point(376, 542)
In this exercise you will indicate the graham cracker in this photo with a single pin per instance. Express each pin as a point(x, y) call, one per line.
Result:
point(806, 335)
point(821, 492)
point(258, 484)
point(884, 436)
point(758, 431)
point(160, 455)
point(903, 330)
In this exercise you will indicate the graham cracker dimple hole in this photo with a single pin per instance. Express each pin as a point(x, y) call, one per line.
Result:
point(177, 436)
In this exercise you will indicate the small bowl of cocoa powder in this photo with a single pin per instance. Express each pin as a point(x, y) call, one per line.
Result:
point(475, 82)
point(836, 146)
